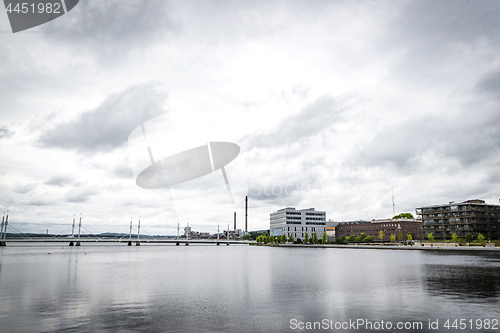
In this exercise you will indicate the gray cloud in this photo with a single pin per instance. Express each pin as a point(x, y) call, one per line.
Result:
point(450, 21)
point(429, 40)
point(107, 126)
point(5, 133)
point(123, 171)
point(111, 29)
point(22, 189)
point(59, 181)
point(80, 195)
point(467, 137)
point(489, 84)
point(310, 121)
point(277, 191)
point(40, 202)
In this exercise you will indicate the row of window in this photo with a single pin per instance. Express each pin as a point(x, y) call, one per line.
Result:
point(457, 208)
point(306, 229)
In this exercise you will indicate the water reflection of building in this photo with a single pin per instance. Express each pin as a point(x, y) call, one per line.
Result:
point(463, 218)
point(299, 222)
point(387, 226)
point(474, 276)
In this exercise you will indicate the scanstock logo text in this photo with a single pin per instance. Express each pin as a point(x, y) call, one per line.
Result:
point(26, 14)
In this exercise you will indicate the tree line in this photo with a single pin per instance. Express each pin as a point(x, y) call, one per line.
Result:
point(267, 239)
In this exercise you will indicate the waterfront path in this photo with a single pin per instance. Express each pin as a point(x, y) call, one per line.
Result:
point(392, 247)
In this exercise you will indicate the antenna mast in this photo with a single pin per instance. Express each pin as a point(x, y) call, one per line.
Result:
point(393, 206)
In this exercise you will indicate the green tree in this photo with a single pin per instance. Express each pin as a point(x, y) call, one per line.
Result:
point(291, 239)
point(469, 237)
point(392, 237)
point(430, 237)
point(306, 238)
point(480, 237)
point(369, 239)
point(323, 238)
point(362, 237)
point(403, 216)
point(400, 237)
point(283, 239)
point(246, 237)
point(381, 235)
point(315, 238)
point(409, 237)
point(351, 238)
point(454, 237)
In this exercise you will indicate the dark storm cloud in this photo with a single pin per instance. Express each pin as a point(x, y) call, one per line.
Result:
point(111, 29)
point(5, 133)
point(59, 181)
point(107, 126)
point(310, 121)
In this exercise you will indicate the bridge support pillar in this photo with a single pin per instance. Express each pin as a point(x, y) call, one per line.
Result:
point(177, 244)
point(218, 243)
point(129, 243)
point(137, 244)
point(187, 244)
point(77, 243)
point(71, 243)
point(3, 243)
point(227, 243)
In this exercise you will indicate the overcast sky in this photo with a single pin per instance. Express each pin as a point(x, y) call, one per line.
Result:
point(334, 104)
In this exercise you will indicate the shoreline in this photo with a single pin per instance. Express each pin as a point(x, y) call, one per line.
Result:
point(390, 247)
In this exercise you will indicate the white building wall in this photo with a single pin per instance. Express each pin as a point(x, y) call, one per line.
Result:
point(299, 222)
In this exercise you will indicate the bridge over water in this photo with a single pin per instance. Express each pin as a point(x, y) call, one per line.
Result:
point(15, 236)
point(134, 241)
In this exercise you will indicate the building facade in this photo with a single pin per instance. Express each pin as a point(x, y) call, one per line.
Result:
point(469, 217)
point(387, 226)
point(330, 230)
point(299, 222)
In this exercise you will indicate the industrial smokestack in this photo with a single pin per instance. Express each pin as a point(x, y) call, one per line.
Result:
point(246, 214)
point(234, 221)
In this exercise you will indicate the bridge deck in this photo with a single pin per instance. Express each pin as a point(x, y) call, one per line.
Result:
point(122, 240)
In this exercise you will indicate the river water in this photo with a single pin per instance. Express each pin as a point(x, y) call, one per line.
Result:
point(241, 288)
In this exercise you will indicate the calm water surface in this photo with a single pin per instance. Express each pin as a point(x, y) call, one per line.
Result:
point(237, 288)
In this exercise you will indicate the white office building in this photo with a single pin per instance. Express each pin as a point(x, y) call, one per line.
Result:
point(288, 220)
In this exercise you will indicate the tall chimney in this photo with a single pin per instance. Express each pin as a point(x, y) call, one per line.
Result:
point(246, 214)
point(234, 221)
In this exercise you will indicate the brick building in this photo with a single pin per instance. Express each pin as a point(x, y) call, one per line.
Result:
point(388, 227)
